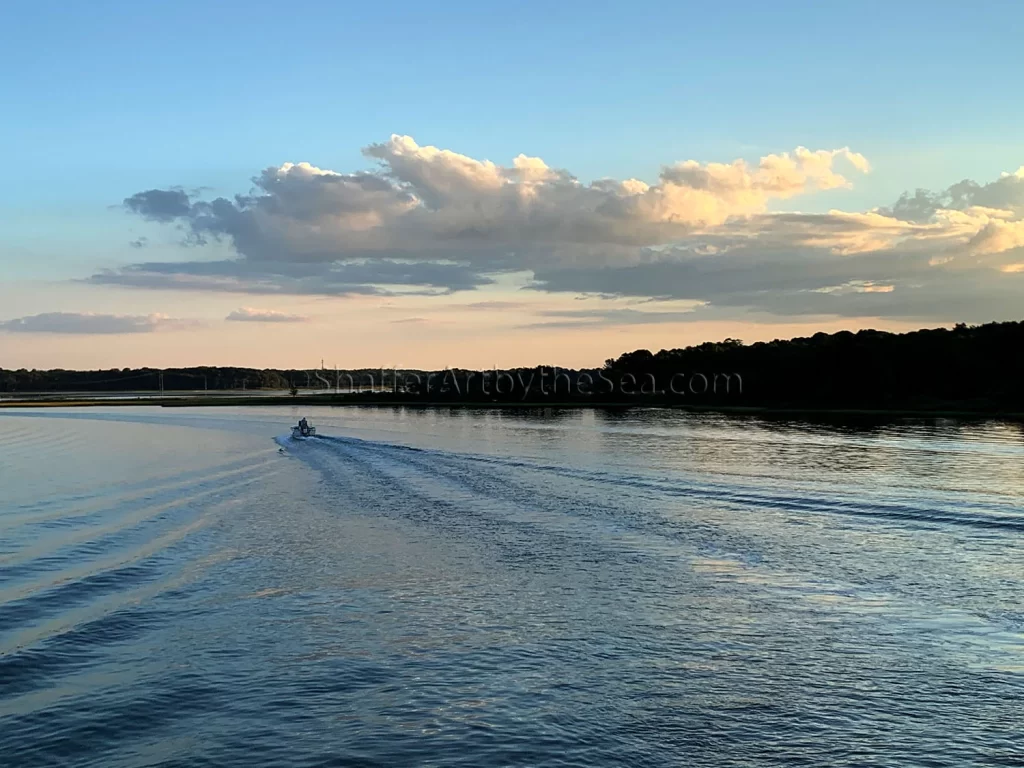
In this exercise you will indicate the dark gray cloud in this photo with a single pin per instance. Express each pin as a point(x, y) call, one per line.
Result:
point(162, 205)
point(895, 285)
point(750, 269)
point(828, 264)
point(87, 323)
point(297, 278)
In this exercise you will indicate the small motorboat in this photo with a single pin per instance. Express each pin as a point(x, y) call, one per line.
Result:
point(303, 429)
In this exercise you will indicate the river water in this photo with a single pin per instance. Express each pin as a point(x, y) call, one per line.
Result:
point(522, 587)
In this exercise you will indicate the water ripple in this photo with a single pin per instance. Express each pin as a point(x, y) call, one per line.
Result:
point(444, 588)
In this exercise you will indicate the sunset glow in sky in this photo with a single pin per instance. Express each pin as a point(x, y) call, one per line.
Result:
point(413, 186)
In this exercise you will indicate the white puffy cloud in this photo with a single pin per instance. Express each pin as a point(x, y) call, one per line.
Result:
point(998, 236)
point(432, 221)
point(423, 201)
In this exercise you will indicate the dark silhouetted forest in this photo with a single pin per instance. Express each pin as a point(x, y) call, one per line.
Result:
point(969, 367)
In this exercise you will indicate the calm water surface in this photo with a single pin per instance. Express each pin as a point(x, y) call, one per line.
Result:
point(189, 587)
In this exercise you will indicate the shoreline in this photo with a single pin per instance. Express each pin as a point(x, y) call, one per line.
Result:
point(331, 401)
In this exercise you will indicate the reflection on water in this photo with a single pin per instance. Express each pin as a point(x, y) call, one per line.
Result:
point(485, 587)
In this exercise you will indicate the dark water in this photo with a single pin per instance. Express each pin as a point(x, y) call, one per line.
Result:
point(525, 588)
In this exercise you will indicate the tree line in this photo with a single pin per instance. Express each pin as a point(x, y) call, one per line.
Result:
point(210, 378)
point(976, 368)
point(971, 367)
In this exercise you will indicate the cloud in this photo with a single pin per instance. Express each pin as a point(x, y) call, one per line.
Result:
point(251, 315)
point(590, 318)
point(1005, 193)
point(368, 277)
point(496, 305)
point(425, 205)
point(161, 205)
point(88, 323)
point(837, 264)
point(431, 221)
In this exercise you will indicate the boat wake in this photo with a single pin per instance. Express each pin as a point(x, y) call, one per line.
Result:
point(512, 478)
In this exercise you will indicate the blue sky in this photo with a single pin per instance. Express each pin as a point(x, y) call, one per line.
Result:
point(106, 99)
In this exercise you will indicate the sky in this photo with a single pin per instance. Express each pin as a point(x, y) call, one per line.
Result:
point(418, 185)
